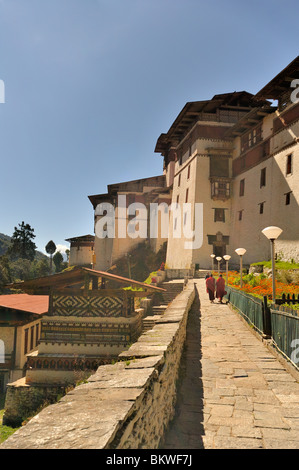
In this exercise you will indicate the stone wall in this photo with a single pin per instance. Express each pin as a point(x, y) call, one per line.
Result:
point(22, 401)
point(126, 405)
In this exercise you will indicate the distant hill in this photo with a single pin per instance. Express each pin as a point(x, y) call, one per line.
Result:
point(5, 243)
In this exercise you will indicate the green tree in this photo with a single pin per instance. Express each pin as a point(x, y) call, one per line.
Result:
point(22, 245)
point(50, 249)
point(40, 268)
point(5, 272)
point(21, 269)
point(58, 261)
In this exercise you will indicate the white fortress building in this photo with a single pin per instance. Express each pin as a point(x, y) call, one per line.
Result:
point(236, 156)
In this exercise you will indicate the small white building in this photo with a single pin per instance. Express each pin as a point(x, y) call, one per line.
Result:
point(81, 250)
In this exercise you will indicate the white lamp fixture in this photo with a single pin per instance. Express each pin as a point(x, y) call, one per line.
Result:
point(241, 252)
point(272, 233)
point(226, 258)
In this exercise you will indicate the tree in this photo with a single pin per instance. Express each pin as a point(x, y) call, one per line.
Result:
point(58, 260)
point(22, 245)
point(50, 249)
point(40, 268)
point(5, 273)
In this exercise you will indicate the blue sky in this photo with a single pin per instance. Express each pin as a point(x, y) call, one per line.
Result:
point(91, 84)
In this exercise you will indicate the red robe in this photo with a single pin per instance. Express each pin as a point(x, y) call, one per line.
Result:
point(210, 284)
point(220, 288)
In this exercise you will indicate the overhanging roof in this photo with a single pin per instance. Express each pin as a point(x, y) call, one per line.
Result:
point(191, 112)
point(127, 186)
point(37, 304)
point(280, 83)
point(81, 238)
point(250, 120)
point(74, 276)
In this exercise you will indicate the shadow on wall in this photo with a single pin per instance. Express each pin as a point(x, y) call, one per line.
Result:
point(186, 429)
point(273, 203)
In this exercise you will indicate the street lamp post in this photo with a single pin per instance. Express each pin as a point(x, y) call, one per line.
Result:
point(272, 233)
point(213, 256)
point(218, 259)
point(241, 252)
point(226, 258)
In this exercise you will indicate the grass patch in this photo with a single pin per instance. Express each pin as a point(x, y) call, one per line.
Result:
point(278, 264)
point(5, 431)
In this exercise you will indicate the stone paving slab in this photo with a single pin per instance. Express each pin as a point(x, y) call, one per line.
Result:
point(234, 393)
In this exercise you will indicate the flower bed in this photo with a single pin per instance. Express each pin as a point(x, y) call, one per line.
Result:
point(260, 285)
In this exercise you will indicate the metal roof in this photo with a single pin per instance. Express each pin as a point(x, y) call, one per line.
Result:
point(37, 304)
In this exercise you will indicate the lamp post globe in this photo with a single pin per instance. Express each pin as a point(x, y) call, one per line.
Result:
point(241, 252)
point(272, 233)
point(226, 258)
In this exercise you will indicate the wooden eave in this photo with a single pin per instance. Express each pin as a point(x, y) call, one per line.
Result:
point(250, 120)
point(73, 277)
point(280, 83)
point(192, 111)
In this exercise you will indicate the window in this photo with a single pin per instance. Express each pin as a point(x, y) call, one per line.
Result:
point(261, 207)
point(31, 338)
point(289, 164)
point(219, 166)
point(220, 189)
point(251, 138)
point(288, 198)
point(36, 334)
point(26, 341)
point(188, 174)
point(263, 177)
point(219, 215)
point(240, 215)
point(179, 180)
point(242, 187)
point(177, 199)
point(187, 194)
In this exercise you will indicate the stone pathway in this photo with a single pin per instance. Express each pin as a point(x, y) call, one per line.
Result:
point(234, 393)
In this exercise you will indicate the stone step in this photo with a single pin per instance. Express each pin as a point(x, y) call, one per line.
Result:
point(149, 322)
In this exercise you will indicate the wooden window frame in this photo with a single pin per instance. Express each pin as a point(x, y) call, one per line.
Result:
point(242, 187)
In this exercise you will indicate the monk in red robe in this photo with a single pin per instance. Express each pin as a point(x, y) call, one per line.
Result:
point(220, 288)
point(210, 284)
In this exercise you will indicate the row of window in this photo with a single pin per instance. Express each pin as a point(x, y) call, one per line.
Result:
point(186, 196)
point(289, 171)
point(262, 205)
point(33, 332)
point(188, 175)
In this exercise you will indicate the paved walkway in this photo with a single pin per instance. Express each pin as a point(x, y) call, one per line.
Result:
point(234, 393)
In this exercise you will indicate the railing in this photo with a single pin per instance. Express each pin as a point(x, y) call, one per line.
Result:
point(278, 323)
point(250, 307)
